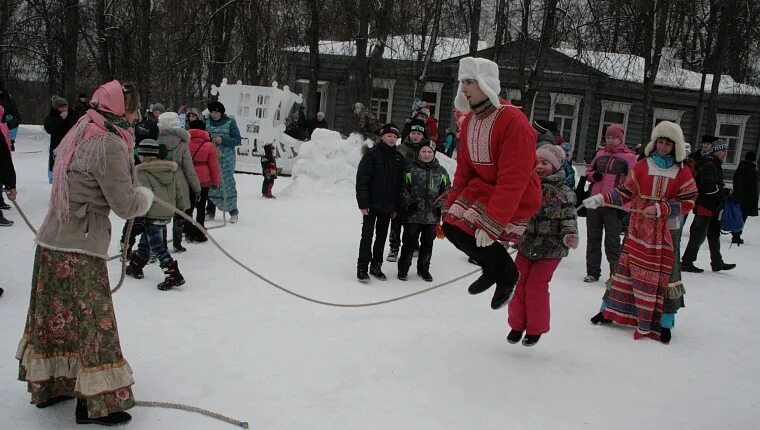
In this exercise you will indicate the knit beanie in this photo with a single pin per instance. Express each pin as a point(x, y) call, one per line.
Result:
point(389, 128)
point(146, 129)
point(616, 130)
point(216, 107)
point(168, 119)
point(553, 154)
point(423, 111)
point(57, 102)
point(148, 147)
point(157, 107)
point(718, 145)
point(196, 112)
point(486, 72)
point(417, 125)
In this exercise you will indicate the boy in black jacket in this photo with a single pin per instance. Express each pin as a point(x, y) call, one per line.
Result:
point(378, 186)
point(269, 170)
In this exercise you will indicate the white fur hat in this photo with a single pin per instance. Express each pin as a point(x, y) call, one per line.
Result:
point(672, 132)
point(486, 72)
point(168, 119)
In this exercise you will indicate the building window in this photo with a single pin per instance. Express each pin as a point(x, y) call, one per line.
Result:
point(612, 113)
point(731, 128)
point(381, 101)
point(564, 112)
point(672, 115)
point(515, 97)
point(432, 95)
point(321, 93)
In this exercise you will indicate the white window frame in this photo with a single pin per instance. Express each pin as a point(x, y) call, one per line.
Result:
point(613, 106)
point(741, 121)
point(673, 115)
point(321, 89)
point(435, 87)
point(567, 99)
point(387, 84)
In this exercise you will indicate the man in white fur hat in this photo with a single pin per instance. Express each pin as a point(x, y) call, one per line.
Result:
point(496, 189)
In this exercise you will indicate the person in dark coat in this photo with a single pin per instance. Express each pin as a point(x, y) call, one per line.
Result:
point(378, 187)
point(712, 194)
point(58, 122)
point(745, 190)
point(11, 116)
point(80, 107)
point(422, 194)
point(7, 176)
point(269, 170)
point(318, 122)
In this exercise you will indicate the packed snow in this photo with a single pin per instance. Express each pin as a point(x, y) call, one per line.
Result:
point(228, 342)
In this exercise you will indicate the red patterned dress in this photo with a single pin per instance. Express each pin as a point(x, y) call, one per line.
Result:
point(640, 283)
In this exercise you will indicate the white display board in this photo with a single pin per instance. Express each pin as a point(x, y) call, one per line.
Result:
point(260, 114)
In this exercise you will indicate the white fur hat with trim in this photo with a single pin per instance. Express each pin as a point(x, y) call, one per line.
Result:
point(486, 72)
point(168, 119)
point(672, 132)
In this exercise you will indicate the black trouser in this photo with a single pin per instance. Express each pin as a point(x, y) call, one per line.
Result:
point(200, 217)
point(377, 224)
point(738, 234)
point(425, 233)
point(138, 228)
point(610, 222)
point(703, 227)
point(395, 236)
point(266, 186)
point(494, 259)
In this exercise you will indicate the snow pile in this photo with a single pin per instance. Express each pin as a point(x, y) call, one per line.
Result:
point(327, 164)
point(28, 132)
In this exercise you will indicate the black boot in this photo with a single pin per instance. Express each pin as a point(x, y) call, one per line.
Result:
point(374, 270)
point(173, 277)
point(505, 288)
point(665, 335)
point(425, 275)
point(472, 261)
point(599, 319)
point(52, 401)
point(722, 266)
point(531, 339)
point(361, 273)
point(392, 255)
point(481, 284)
point(178, 247)
point(112, 419)
point(514, 336)
point(403, 275)
point(135, 268)
point(690, 267)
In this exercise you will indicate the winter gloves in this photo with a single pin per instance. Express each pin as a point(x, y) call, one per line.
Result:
point(597, 176)
point(594, 201)
point(482, 239)
point(570, 240)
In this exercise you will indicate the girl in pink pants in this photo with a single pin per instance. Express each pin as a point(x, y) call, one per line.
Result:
point(550, 234)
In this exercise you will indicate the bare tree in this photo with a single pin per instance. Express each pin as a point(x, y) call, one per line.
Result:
point(314, 26)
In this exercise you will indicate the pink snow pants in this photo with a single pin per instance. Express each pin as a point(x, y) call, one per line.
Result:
point(529, 307)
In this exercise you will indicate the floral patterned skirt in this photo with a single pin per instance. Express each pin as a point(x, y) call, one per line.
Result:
point(70, 345)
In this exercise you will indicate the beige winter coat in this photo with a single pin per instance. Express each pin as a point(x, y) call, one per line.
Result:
point(176, 139)
point(100, 180)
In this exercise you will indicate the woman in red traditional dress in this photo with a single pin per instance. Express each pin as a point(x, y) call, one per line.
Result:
point(646, 289)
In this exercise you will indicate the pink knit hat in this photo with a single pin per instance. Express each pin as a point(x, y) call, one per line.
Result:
point(616, 130)
point(553, 154)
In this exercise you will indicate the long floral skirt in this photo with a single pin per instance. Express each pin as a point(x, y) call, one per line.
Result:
point(224, 197)
point(70, 345)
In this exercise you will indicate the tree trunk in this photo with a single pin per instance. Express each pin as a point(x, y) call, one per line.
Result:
point(522, 73)
point(142, 57)
point(502, 12)
point(537, 74)
point(726, 21)
point(222, 28)
point(433, 41)
point(313, 34)
point(362, 69)
point(655, 29)
point(475, 25)
point(104, 62)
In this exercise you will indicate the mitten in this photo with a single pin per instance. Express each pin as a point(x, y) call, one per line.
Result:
point(570, 240)
point(597, 176)
point(594, 201)
point(482, 239)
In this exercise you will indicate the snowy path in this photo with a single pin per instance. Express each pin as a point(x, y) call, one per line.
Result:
point(227, 342)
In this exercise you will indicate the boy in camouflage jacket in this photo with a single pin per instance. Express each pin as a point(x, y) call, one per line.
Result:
point(422, 195)
point(549, 235)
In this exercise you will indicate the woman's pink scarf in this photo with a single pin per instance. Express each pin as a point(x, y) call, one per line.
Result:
point(108, 97)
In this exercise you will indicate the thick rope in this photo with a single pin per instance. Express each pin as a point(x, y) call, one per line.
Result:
point(197, 410)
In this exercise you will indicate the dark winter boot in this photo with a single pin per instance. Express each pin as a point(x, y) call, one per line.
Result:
point(599, 319)
point(722, 266)
point(52, 401)
point(472, 261)
point(425, 275)
point(5, 206)
point(531, 339)
point(481, 284)
point(374, 270)
point(665, 335)
point(179, 248)
point(5, 222)
point(502, 295)
point(690, 267)
point(152, 259)
point(392, 255)
point(361, 273)
point(173, 277)
point(112, 419)
point(514, 336)
point(402, 275)
point(135, 268)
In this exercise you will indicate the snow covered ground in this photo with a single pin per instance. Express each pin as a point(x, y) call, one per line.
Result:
point(227, 342)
